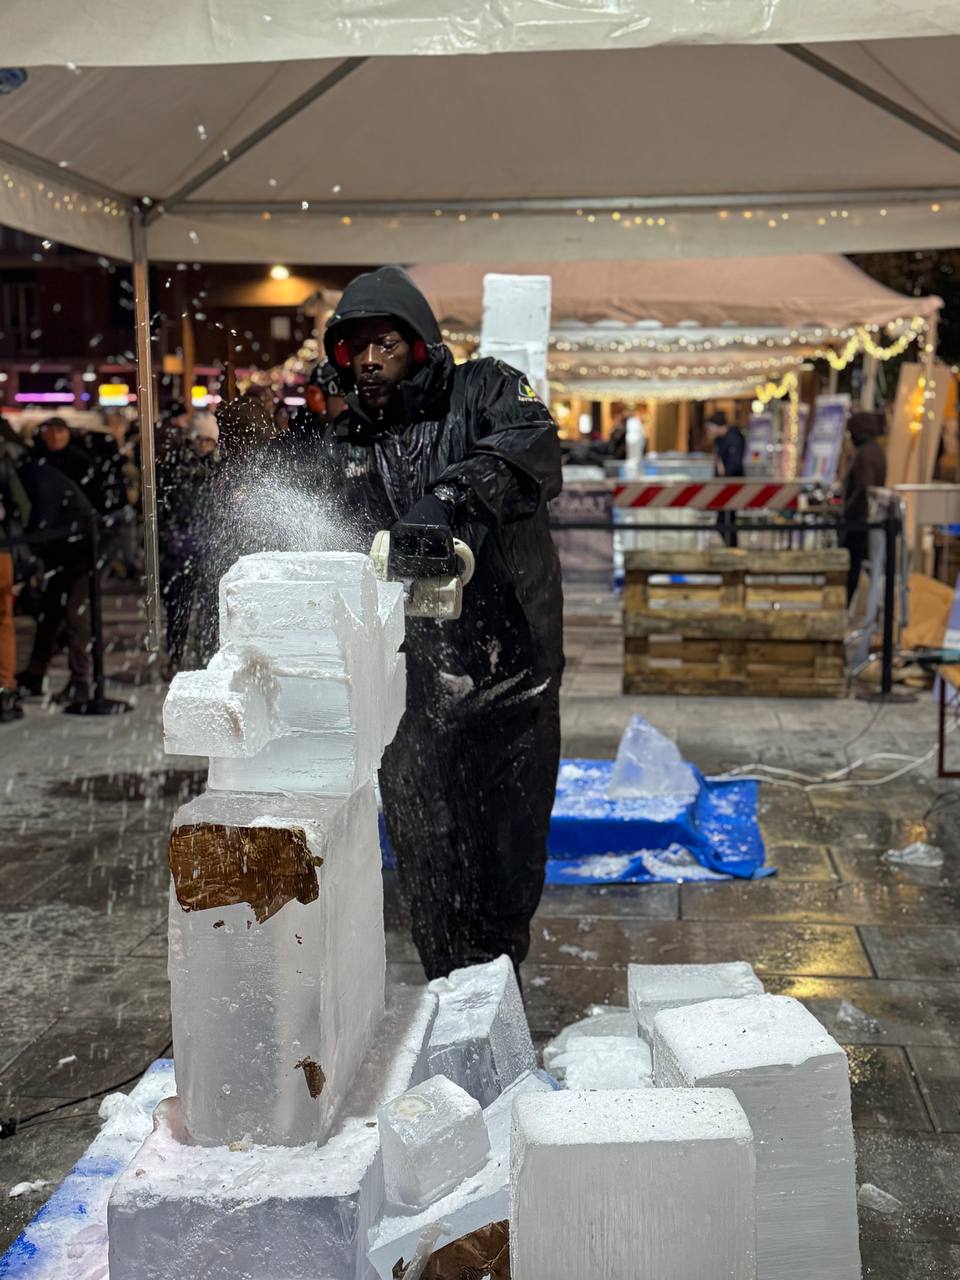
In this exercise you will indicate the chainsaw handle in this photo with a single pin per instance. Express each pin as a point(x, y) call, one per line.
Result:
point(466, 558)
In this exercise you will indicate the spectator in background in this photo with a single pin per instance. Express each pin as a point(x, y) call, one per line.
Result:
point(867, 469)
point(729, 448)
point(14, 517)
point(183, 478)
point(59, 505)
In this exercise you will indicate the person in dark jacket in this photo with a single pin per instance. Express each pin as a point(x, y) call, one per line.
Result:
point(867, 469)
point(729, 447)
point(468, 783)
point(59, 505)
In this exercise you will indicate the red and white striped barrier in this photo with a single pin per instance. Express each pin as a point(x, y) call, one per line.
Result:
point(710, 495)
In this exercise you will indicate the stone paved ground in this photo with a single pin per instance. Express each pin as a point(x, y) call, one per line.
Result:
point(82, 902)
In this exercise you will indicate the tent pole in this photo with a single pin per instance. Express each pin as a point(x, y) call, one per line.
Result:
point(146, 409)
point(929, 408)
point(868, 392)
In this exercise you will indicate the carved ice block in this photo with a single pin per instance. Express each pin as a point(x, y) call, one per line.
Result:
point(655, 987)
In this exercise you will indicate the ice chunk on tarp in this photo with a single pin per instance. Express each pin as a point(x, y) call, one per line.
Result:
point(655, 987)
point(480, 1039)
point(649, 766)
point(181, 1211)
point(431, 1137)
point(656, 1182)
point(793, 1081)
point(475, 1203)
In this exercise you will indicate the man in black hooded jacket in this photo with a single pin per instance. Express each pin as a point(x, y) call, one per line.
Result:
point(468, 783)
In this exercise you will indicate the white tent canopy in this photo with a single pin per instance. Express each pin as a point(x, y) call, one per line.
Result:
point(108, 34)
point(798, 292)
point(697, 147)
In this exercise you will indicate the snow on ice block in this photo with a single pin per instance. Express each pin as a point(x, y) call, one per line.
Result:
point(652, 1183)
point(601, 1047)
point(431, 1137)
point(180, 1212)
point(481, 1040)
point(67, 1240)
point(655, 987)
point(277, 968)
point(793, 1082)
point(476, 1202)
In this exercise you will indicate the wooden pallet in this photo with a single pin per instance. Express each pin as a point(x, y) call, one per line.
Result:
point(727, 621)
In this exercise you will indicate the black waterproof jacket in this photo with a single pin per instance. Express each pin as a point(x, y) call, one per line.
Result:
point(480, 427)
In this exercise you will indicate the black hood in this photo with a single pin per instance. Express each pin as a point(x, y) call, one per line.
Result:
point(388, 291)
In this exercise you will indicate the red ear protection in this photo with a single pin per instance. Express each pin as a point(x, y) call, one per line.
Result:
point(420, 353)
point(341, 354)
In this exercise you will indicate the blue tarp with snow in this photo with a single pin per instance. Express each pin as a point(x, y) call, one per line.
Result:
point(596, 840)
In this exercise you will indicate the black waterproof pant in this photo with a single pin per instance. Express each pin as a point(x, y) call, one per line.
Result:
point(467, 810)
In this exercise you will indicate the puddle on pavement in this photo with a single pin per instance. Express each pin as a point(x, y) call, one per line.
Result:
point(177, 784)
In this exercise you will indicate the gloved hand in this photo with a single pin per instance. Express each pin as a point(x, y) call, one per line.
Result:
point(429, 510)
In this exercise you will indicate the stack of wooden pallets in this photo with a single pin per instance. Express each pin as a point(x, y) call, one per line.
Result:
point(728, 621)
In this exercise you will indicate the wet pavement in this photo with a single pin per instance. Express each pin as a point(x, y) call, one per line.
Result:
point(83, 882)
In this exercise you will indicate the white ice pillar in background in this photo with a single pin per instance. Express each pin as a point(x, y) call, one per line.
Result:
point(792, 1080)
point(516, 325)
point(645, 1184)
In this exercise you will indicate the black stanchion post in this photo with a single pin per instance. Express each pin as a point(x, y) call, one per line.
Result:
point(891, 531)
point(99, 704)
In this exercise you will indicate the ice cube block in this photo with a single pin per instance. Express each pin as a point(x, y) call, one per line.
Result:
point(431, 1137)
point(476, 1201)
point(654, 1183)
point(481, 1040)
point(654, 987)
point(215, 712)
point(792, 1080)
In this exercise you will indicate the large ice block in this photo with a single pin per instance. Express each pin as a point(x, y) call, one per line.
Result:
point(602, 1050)
point(180, 1212)
point(792, 1079)
point(481, 1040)
point(222, 711)
point(431, 1138)
point(475, 1202)
point(272, 1016)
point(654, 1183)
point(285, 602)
point(655, 987)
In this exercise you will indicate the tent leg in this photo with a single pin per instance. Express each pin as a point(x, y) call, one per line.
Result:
point(930, 426)
point(868, 393)
point(146, 409)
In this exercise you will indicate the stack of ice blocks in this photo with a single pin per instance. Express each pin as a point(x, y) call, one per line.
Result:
point(307, 687)
point(713, 1032)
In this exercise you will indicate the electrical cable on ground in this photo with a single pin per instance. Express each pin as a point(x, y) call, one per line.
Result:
point(796, 781)
point(16, 1124)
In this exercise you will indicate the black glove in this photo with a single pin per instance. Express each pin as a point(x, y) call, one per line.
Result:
point(429, 511)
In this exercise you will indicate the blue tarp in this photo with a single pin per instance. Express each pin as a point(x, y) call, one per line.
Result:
point(594, 840)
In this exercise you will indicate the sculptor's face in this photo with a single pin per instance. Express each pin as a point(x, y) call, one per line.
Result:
point(380, 358)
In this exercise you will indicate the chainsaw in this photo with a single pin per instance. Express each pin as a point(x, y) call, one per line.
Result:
point(432, 564)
